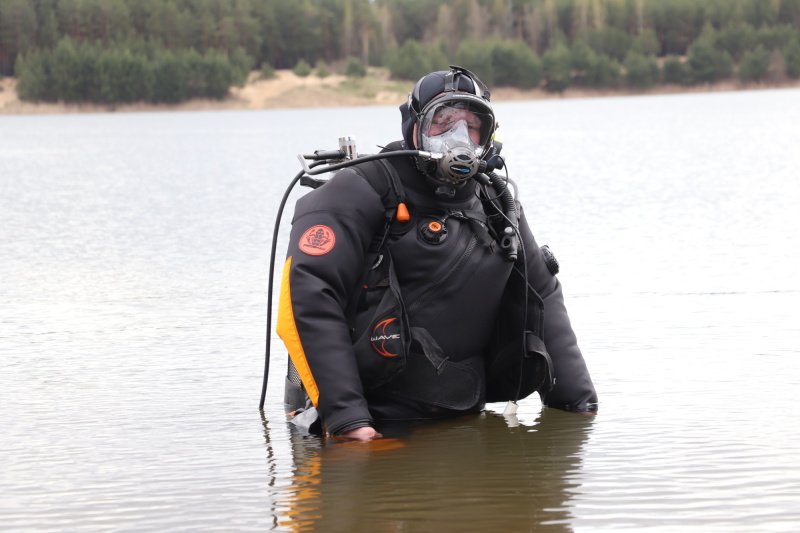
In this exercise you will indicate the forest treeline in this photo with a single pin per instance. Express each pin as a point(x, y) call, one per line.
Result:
point(114, 51)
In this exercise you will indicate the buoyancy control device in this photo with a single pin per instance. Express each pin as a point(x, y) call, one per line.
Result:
point(496, 192)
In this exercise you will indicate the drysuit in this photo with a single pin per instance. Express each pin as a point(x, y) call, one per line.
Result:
point(453, 280)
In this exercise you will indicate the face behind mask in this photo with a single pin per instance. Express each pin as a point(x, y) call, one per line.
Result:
point(460, 159)
point(455, 137)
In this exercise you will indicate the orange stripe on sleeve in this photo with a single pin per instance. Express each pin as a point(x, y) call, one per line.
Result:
point(287, 330)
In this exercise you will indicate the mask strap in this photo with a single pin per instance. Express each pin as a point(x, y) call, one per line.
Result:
point(451, 81)
point(475, 82)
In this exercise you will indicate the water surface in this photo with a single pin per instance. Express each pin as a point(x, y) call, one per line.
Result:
point(133, 292)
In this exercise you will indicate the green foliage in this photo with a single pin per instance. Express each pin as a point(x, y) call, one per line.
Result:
point(559, 37)
point(593, 70)
point(171, 78)
point(503, 63)
point(267, 71)
point(557, 63)
point(791, 55)
point(134, 79)
point(677, 23)
point(605, 73)
point(674, 71)
point(18, 29)
point(322, 71)
point(477, 57)
point(211, 75)
point(302, 68)
point(582, 59)
point(34, 73)
point(610, 41)
point(776, 37)
point(515, 65)
point(754, 65)
point(355, 68)
point(412, 61)
point(242, 63)
point(90, 73)
point(646, 43)
point(707, 64)
point(410, 37)
point(67, 76)
point(736, 40)
point(124, 77)
point(640, 71)
point(708, 33)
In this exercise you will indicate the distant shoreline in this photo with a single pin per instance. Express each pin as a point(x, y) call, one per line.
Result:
point(288, 91)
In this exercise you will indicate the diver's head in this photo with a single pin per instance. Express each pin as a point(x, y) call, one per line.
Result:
point(448, 112)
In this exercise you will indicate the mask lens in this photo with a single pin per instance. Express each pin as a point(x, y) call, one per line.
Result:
point(457, 135)
point(444, 117)
point(444, 120)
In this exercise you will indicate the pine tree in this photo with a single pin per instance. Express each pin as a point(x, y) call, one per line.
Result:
point(791, 56)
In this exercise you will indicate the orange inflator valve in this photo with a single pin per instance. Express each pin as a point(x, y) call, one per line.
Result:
point(402, 213)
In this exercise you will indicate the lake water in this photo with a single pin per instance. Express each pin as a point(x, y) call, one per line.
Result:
point(134, 252)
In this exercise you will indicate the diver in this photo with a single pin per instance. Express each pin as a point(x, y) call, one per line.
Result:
point(413, 287)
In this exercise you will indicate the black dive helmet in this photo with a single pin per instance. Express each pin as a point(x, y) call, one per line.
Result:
point(439, 98)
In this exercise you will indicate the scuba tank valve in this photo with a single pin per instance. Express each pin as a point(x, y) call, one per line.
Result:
point(348, 146)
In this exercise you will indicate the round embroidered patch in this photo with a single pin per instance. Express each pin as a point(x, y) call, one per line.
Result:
point(317, 240)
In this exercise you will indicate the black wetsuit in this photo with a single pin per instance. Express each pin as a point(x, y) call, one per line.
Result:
point(452, 288)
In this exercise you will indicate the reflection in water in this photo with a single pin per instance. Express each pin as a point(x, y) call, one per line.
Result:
point(478, 473)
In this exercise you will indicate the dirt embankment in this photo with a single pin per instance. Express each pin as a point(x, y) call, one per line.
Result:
point(286, 90)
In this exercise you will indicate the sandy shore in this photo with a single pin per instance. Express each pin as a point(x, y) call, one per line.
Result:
point(284, 91)
point(289, 91)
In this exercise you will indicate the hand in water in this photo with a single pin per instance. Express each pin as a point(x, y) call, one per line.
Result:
point(364, 434)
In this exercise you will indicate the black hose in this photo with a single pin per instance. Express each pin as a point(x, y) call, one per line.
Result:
point(505, 195)
point(362, 159)
point(270, 285)
point(509, 240)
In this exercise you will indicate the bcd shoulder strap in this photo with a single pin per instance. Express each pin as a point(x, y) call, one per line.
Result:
point(383, 178)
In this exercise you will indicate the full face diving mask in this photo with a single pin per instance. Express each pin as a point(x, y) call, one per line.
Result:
point(460, 132)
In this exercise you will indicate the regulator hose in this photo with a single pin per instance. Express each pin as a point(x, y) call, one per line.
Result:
point(509, 240)
point(270, 283)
